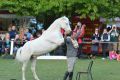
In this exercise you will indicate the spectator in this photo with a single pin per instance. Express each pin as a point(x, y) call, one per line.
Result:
point(112, 55)
point(31, 37)
point(21, 33)
point(17, 43)
point(95, 44)
point(13, 32)
point(119, 44)
point(105, 38)
point(72, 49)
point(9, 29)
point(43, 30)
point(1, 44)
point(7, 43)
point(24, 39)
point(38, 34)
point(114, 34)
point(28, 34)
point(80, 38)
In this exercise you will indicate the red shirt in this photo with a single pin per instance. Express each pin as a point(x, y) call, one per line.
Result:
point(82, 32)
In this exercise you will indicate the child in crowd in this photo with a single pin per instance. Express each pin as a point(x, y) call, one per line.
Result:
point(112, 55)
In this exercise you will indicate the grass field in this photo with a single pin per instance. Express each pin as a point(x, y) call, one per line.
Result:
point(54, 69)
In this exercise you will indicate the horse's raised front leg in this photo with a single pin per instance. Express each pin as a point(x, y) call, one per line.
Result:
point(23, 70)
point(33, 66)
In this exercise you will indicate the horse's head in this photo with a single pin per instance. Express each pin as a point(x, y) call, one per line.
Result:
point(65, 24)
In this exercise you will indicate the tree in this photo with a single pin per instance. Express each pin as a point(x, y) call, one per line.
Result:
point(91, 8)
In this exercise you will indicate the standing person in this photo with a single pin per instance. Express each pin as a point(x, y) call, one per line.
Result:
point(114, 34)
point(72, 49)
point(81, 28)
point(105, 38)
point(119, 44)
point(95, 43)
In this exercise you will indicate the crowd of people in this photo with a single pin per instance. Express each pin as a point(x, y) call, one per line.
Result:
point(108, 40)
point(19, 36)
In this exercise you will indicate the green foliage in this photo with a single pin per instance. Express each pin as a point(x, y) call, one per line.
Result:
point(91, 8)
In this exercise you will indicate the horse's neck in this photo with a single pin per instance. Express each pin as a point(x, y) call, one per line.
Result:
point(53, 27)
point(54, 31)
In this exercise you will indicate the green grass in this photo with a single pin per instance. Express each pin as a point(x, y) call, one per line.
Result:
point(54, 69)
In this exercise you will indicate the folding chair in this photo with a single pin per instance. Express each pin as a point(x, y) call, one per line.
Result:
point(88, 72)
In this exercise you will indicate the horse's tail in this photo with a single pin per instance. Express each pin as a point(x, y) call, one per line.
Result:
point(18, 54)
point(23, 53)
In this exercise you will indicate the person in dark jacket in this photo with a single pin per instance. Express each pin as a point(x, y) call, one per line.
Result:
point(13, 32)
point(72, 49)
point(95, 43)
point(105, 38)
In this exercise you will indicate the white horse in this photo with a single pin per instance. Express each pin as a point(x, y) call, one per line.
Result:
point(48, 41)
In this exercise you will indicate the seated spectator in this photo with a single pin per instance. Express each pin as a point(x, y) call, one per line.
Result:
point(17, 43)
point(7, 43)
point(24, 39)
point(13, 32)
point(1, 45)
point(28, 34)
point(38, 34)
point(118, 57)
point(31, 37)
point(112, 55)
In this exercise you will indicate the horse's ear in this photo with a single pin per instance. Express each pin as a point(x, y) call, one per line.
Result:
point(64, 18)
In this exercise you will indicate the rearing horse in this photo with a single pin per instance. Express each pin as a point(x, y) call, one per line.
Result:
point(48, 41)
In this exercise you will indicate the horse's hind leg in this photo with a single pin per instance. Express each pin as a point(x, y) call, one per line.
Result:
point(23, 70)
point(33, 66)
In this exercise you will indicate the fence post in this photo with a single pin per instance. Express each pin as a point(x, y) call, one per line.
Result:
point(11, 46)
